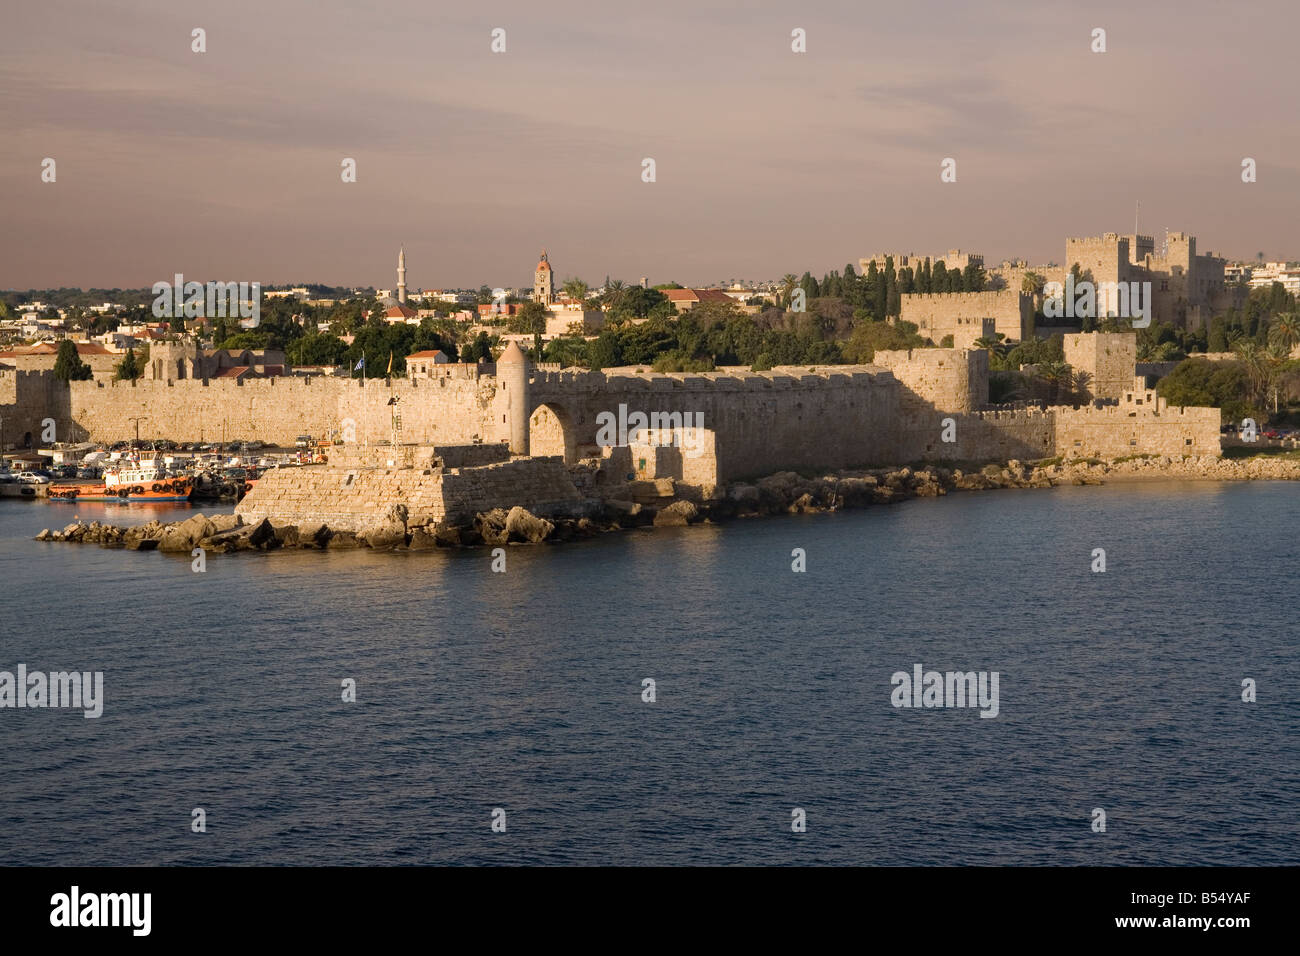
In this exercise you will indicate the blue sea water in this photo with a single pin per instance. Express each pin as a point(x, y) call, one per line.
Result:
point(523, 690)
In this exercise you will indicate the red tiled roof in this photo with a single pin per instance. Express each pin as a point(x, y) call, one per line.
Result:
point(427, 353)
point(399, 311)
point(712, 295)
point(680, 295)
point(233, 372)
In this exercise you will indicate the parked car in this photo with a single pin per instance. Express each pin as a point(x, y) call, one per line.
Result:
point(32, 478)
point(303, 441)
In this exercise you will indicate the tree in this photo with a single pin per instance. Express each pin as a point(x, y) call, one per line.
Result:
point(1285, 330)
point(68, 365)
point(788, 282)
point(316, 349)
point(604, 351)
point(128, 369)
point(530, 319)
point(576, 289)
point(1055, 374)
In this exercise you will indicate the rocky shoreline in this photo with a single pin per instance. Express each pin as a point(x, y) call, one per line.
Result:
point(782, 493)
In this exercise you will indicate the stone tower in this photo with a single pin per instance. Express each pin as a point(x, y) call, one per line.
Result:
point(512, 376)
point(401, 275)
point(544, 282)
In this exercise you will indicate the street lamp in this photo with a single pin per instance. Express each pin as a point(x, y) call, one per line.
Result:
point(138, 419)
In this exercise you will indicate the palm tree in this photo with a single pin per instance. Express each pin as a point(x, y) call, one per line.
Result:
point(1285, 330)
point(1054, 373)
point(788, 282)
point(576, 289)
point(992, 344)
point(1274, 358)
point(1256, 362)
point(1032, 285)
point(615, 290)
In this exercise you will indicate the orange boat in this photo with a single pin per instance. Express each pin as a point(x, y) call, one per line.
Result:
point(127, 485)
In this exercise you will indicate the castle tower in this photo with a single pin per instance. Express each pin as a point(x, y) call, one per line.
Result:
point(544, 282)
point(401, 275)
point(512, 373)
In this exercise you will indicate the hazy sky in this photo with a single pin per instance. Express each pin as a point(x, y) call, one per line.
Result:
point(226, 165)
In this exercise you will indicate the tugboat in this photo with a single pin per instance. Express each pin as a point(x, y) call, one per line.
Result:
point(144, 482)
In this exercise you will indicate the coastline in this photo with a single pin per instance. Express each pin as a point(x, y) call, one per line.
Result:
point(784, 492)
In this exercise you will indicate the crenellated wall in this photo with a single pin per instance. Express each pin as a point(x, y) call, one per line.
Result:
point(757, 423)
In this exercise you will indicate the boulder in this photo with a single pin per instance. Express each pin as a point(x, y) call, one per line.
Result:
point(184, 535)
point(344, 541)
point(447, 535)
point(491, 526)
point(137, 539)
point(523, 525)
point(423, 540)
point(286, 536)
point(387, 535)
point(313, 534)
point(222, 523)
point(676, 514)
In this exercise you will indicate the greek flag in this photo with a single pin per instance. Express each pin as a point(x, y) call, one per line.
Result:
point(361, 363)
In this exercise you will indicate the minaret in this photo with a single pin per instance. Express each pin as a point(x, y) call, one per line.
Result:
point(401, 275)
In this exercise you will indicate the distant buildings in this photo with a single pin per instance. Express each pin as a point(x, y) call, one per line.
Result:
point(683, 299)
point(1262, 277)
point(42, 356)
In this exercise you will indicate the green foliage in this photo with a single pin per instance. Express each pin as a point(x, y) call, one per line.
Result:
point(569, 352)
point(128, 369)
point(677, 362)
point(68, 365)
point(316, 349)
point(479, 350)
point(871, 337)
point(1222, 385)
point(530, 319)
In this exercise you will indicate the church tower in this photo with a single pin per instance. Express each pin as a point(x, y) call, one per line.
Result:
point(401, 275)
point(544, 282)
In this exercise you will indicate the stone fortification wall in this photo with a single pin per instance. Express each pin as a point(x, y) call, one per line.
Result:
point(1109, 359)
point(542, 485)
point(1141, 424)
point(352, 499)
point(27, 399)
point(448, 410)
point(954, 380)
point(938, 314)
point(834, 417)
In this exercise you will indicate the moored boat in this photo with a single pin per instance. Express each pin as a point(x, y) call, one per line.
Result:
point(144, 483)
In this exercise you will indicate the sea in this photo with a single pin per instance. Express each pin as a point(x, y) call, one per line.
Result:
point(676, 696)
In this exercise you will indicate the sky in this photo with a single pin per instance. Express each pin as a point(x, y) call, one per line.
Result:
point(226, 165)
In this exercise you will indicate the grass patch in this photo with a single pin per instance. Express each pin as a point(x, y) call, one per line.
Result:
point(1244, 451)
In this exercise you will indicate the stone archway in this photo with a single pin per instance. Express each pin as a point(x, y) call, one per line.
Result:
point(550, 432)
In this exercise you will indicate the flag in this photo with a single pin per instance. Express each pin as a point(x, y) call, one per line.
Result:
point(390, 362)
point(361, 363)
